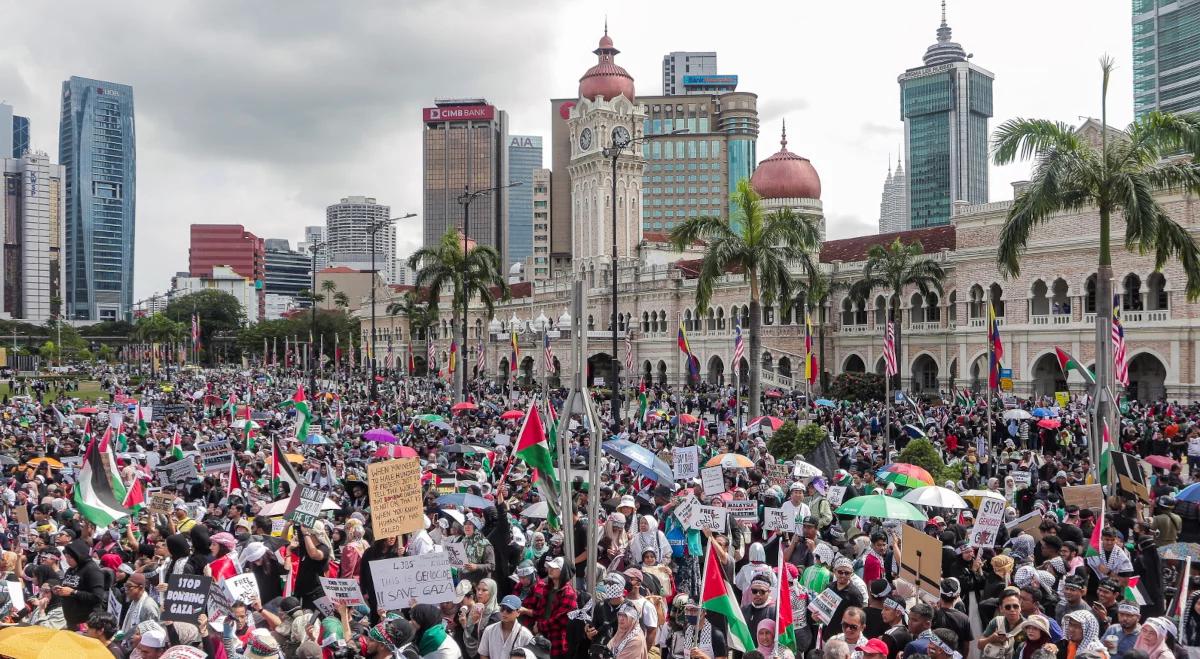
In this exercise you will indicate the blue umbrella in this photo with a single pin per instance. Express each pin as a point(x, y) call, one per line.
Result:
point(913, 431)
point(315, 439)
point(640, 459)
point(465, 500)
point(825, 402)
point(1043, 412)
point(1189, 493)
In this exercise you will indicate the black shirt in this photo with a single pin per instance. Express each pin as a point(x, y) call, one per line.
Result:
point(308, 583)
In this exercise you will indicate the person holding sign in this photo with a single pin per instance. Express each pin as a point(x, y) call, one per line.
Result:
point(315, 551)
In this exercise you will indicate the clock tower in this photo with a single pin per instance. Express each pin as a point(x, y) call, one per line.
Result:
point(607, 117)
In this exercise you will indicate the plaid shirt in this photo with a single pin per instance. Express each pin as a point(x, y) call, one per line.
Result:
point(551, 616)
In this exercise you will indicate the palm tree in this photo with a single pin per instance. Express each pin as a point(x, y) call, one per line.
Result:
point(341, 299)
point(895, 268)
point(817, 285)
point(329, 287)
point(420, 316)
point(760, 245)
point(477, 273)
point(1119, 175)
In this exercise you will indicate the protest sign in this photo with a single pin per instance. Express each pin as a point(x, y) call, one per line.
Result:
point(778, 519)
point(1030, 523)
point(835, 494)
point(177, 473)
point(277, 526)
point(709, 517)
point(215, 457)
point(743, 510)
point(685, 509)
point(824, 605)
point(921, 560)
point(174, 409)
point(186, 597)
point(713, 480)
point(161, 503)
point(305, 506)
point(395, 493)
point(1021, 478)
point(425, 578)
point(342, 591)
point(685, 462)
point(242, 588)
point(1063, 398)
point(987, 522)
point(22, 515)
point(1084, 496)
point(780, 475)
point(457, 552)
point(325, 606)
point(1131, 475)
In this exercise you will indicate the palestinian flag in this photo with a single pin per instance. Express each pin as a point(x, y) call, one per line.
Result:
point(235, 481)
point(248, 429)
point(110, 463)
point(177, 446)
point(303, 414)
point(1135, 593)
point(281, 472)
point(643, 404)
point(94, 497)
point(785, 631)
point(337, 419)
point(717, 596)
point(135, 498)
point(533, 447)
point(961, 399)
point(1068, 363)
point(702, 436)
point(1093, 546)
point(231, 406)
point(489, 462)
point(143, 422)
point(552, 429)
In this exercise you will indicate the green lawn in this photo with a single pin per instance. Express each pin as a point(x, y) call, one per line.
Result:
point(88, 390)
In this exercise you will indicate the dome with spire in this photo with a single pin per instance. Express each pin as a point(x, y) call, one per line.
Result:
point(786, 175)
point(606, 79)
point(944, 51)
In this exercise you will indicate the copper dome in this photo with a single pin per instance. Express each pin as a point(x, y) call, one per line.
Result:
point(786, 175)
point(606, 79)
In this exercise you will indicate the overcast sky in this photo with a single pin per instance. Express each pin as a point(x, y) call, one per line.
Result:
point(264, 112)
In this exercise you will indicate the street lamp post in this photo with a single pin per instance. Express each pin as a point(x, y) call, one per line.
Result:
point(312, 298)
point(621, 140)
point(465, 200)
point(373, 227)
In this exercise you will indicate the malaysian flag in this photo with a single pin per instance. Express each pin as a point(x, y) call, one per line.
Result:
point(997, 348)
point(1120, 362)
point(889, 350)
point(629, 350)
point(739, 346)
point(481, 360)
point(431, 355)
point(547, 353)
point(196, 329)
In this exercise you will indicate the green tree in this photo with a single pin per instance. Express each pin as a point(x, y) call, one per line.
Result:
point(106, 353)
point(219, 313)
point(760, 245)
point(420, 315)
point(341, 300)
point(894, 268)
point(159, 329)
point(476, 274)
point(329, 287)
point(857, 387)
point(1120, 175)
point(48, 351)
point(792, 440)
point(921, 452)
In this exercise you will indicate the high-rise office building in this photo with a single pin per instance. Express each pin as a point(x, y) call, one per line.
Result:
point(893, 207)
point(287, 272)
point(31, 219)
point(538, 266)
point(96, 145)
point(524, 158)
point(314, 235)
point(678, 64)
point(20, 135)
point(348, 239)
point(229, 245)
point(465, 149)
point(1166, 56)
point(945, 105)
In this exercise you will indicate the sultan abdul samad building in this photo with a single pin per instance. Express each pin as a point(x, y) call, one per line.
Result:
point(1051, 303)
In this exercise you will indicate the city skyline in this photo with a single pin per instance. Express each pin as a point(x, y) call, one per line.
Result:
point(297, 134)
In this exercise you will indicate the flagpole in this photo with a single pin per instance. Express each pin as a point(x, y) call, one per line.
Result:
point(988, 341)
point(887, 389)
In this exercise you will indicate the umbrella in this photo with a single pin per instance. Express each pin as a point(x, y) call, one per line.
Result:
point(463, 448)
point(976, 497)
point(640, 459)
point(277, 508)
point(7, 460)
point(315, 439)
point(454, 515)
point(801, 469)
point(774, 393)
point(379, 435)
point(936, 496)
point(465, 500)
point(688, 419)
point(1019, 415)
point(39, 642)
point(88, 410)
point(883, 507)
point(1180, 551)
point(512, 414)
point(1160, 461)
point(538, 510)
point(913, 431)
point(430, 417)
point(293, 457)
point(1043, 412)
point(906, 475)
point(1190, 493)
point(772, 422)
point(464, 407)
point(824, 402)
point(1049, 424)
point(730, 461)
point(38, 462)
point(395, 451)
point(440, 425)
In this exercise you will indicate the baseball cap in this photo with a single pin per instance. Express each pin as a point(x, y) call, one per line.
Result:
point(511, 602)
point(874, 646)
point(627, 501)
point(555, 563)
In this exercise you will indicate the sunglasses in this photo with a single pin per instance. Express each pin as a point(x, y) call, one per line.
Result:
point(849, 627)
point(758, 591)
point(1011, 607)
point(844, 573)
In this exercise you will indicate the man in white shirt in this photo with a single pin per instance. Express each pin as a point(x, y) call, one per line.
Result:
point(500, 638)
point(794, 507)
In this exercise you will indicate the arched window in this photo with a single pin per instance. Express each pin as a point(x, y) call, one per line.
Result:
point(996, 297)
point(1060, 303)
point(933, 313)
point(1131, 296)
point(1089, 296)
point(847, 312)
point(662, 320)
point(1157, 298)
point(1039, 303)
point(916, 314)
point(687, 319)
point(881, 317)
point(645, 322)
point(712, 320)
point(976, 307)
point(720, 318)
point(953, 307)
point(591, 322)
point(768, 316)
point(745, 315)
point(860, 313)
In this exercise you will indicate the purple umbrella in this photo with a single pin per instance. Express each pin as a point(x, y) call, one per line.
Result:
point(381, 435)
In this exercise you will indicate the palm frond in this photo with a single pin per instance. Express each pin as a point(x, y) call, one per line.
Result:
point(1024, 138)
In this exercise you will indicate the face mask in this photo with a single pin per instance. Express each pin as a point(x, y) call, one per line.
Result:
point(691, 620)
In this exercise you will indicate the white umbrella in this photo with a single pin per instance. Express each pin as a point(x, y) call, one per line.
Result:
point(537, 510)
point(1018, 414)
point(936, 496)
point(277, 508)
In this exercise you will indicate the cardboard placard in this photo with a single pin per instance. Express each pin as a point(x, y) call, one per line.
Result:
point(685, 509)
point(780, 475)
point(987, 522)
point(425, 578)
point(325, 606)
point(186, 597)
point(305, 506)
point(713, 479)
point(1030, 523)
point(394, 488)
point(743, 510)
point(921, 560)
point(179, 472)
point(685, 462)
point(709, 517)
point(457, 552)
point(823, 606)
point(1084, 496)
point(778, 519)
point(1021, 478)
point(342, 591)
point(216, 457)
point(22, 515)
point(242, 588)
point(161, 503)
point(835, 494)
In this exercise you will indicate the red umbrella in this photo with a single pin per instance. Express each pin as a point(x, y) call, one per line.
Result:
point(512, 414)
point(1049, 424)
point(87, 410)
point(1160, 461)
point(774, 393)
point(688, 419)
point(395, 451)
point(464, 407)
point(773, 422)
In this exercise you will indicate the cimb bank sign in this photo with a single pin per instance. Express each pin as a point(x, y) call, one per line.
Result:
point(460, 113)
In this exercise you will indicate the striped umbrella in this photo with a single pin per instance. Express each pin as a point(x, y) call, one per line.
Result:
point(906, 475)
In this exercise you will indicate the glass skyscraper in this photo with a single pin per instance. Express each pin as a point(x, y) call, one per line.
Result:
point(945, 105)
point(1166, 56)
point(524, 157)
point(20, 135)
point(97, 147)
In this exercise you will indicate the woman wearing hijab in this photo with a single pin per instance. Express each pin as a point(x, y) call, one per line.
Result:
point(1191, 621)
point(1037, 636)
point(481, 556)
point(649, 537)
point(201, 541)
point(1081, 634)
point(1153, 639)
point(629, 642)
point(766, 641)
point(181, 560)
point(995, 581)
point(430, 636)
point(226, 563)
point(352, 552)
point(485, 611)
point(613, 541)
point(747, 573)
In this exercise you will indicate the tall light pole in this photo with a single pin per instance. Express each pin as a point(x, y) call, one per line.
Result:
point(373, 227)
point(312, 297)
point(465, 200)
point(621, 140)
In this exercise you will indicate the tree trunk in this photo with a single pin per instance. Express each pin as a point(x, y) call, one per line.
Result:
point(755, 356)
point(1105, 377)
point(821, 349)
point(894, 311)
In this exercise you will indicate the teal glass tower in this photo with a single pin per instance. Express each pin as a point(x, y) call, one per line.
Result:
point(945, 105)
point(1166, 56)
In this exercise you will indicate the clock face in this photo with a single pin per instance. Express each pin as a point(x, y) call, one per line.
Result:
point(620, 136)
point(585, 139)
